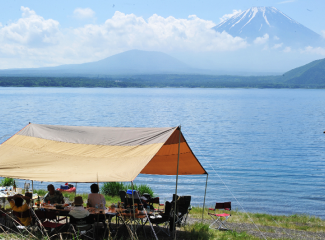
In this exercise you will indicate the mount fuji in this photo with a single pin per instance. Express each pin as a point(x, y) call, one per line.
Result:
point(268, 24)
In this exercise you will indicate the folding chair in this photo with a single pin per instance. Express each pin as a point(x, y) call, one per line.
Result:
point(220, 218)
point(163, 219)
point(83, 227)
point(183, 207)
point(49, 220)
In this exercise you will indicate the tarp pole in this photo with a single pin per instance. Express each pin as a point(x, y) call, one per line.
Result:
point(175, 211)
point(133, 207)
point(32, 192)
point(205, 193)
point(75, 193)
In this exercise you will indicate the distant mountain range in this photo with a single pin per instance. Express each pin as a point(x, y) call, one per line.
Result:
point(126, 63)
point(280, 28)
point(311, 75)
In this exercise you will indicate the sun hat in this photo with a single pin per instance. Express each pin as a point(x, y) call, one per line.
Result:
point(78, 201)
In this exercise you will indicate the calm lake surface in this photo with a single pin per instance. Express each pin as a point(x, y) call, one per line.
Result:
point(264, 149)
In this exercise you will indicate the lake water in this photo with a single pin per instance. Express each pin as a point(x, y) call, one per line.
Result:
point(264, 149)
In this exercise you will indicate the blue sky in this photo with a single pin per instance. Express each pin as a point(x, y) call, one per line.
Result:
point(48, 33)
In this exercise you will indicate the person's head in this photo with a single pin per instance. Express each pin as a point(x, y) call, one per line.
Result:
point(94, 188)
point(51, 189)
point(19, 201)
point(78, 201)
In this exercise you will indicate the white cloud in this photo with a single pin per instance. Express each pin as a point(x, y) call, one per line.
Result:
point(276, 46)
point(230, 15)
point(287, 49)
point(83, 13)
point(30, 30)
point(314, 50)
point(276, 38)
point(323, 33)
point(34, 41)
point(262, 40)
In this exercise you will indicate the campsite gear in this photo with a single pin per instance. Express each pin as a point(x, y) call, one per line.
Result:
point(217, 217)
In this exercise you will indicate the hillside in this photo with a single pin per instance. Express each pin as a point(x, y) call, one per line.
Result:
point(310, 74)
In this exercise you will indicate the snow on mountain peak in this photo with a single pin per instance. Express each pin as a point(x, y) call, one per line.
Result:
point(258, 21)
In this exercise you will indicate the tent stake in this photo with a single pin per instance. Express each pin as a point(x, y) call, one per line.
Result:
point(205, 193)
point(175, 211)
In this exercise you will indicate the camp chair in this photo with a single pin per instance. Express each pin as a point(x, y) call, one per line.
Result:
point(82, 227)
point(183, 206)
point(154, 201)
point(162, 221)
point(49, 220)
point(123, 196)
point(16, 222)
point(220, 218)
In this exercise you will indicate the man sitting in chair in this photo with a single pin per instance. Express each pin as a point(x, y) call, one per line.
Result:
point(78, 211)
point(53, 196)
point(21, 210)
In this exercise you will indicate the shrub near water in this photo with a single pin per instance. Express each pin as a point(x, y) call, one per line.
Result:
point(7, 182)
point(113, 188)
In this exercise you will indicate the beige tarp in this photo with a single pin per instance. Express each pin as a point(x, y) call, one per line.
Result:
point(89, 154)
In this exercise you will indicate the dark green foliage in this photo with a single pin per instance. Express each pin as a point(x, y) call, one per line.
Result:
point(308, 76)
point(113, 188)
point(7, 182)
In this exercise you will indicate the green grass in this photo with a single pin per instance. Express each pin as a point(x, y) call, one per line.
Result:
point(296, 222)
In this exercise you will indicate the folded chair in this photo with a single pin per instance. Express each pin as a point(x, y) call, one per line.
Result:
point(220, 218)
point(162, 221)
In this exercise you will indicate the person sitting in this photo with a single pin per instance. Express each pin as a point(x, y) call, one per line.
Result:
point(16, 204)
point(94, 198)
point(53, 196)
point(79, 211)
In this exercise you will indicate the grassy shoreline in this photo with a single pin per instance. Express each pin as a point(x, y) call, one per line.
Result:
point(256, 225)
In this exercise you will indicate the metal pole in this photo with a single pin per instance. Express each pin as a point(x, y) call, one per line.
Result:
point(205, 193)
point(32, 192)
point(133, 208)
point(175, 211)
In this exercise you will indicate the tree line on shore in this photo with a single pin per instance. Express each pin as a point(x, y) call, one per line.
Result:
point(159, 81)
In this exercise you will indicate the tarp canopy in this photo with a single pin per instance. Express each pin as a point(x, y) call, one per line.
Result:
point(88, 154)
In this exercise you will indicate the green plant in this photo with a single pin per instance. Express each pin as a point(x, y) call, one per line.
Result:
point(7, 182)
point(40, 192)
point(113, 188)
